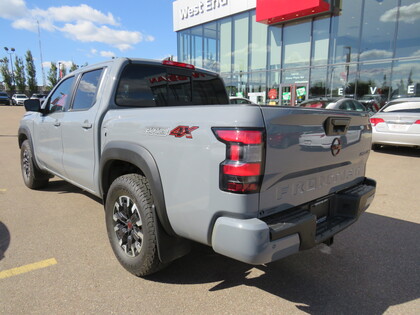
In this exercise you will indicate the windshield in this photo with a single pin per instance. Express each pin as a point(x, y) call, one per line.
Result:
point(406, 107)
point(20, 96)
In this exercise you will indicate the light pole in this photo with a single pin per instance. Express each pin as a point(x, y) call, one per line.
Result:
point(59, 70)
point(12, 51)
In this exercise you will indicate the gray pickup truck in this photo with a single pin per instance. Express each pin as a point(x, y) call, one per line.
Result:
point(174, 162)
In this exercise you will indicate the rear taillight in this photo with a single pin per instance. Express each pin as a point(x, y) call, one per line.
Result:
point(417, 122)
point(375, 121)
point(242, 170)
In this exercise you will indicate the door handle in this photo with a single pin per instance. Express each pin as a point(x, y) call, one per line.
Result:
point(57, 123)
point(86, 125)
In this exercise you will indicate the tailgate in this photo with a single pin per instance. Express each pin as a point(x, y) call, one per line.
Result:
point(311, 153)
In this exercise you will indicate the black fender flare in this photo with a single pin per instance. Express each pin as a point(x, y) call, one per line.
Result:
point(170, 246)
point(141, 158)
point(25, 134)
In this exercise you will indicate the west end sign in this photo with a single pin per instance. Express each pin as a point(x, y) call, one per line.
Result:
point(188, 13)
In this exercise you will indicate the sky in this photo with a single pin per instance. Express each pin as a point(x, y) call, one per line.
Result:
point(86, 31)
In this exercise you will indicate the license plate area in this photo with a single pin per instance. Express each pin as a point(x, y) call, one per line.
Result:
point(398, 127)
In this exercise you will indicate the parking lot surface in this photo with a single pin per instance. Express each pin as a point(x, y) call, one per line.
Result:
point(55, 257)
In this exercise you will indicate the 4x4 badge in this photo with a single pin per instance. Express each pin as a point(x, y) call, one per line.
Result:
point(336, 147)
point(181, 131)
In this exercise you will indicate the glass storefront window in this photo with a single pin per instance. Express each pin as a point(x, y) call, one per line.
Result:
point(318, 82)
point(238, 84)
point(345, 32)
point(273, 87)
point(184, 45)
point(374, 80)
point(408, 38)
point(406, 79)
point(226, 45)
point(240, 42)
point(258, 44)
point(321, 41)
point(342, 80)
point(257, 87)
point(296, 44)
point(197, 45)
point(275, 40)
point(377, 32)
point(211, 36)
point(295, 76)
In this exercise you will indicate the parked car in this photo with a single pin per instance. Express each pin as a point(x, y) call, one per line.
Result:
point(40, 97)
point(372, 101)
point(4, 98)
point(397, 123)
point(18, 99)
point(239, 100)
point(334, 103)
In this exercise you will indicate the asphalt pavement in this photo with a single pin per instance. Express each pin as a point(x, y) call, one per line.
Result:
point(55, 257)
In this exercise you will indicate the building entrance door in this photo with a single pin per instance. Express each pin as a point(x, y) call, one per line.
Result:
point(293, 94)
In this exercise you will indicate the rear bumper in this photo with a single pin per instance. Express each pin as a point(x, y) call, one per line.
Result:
point(259, 241)
point(402, 139)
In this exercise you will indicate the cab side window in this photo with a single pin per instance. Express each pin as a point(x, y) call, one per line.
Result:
point(60, 98)
point(86, 91)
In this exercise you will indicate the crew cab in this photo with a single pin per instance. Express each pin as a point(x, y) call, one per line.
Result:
point(175, 163)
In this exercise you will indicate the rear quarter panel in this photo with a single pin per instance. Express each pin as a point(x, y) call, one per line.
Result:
point(189, 167)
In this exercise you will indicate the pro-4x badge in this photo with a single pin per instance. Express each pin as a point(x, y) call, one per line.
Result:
point(181, 131)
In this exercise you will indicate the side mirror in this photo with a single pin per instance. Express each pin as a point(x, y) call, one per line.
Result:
point(32, 105)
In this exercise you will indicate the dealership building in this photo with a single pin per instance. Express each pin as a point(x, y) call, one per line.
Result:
point(281, 52)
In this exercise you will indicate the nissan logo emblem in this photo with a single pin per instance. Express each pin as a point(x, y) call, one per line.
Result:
point(336, 147)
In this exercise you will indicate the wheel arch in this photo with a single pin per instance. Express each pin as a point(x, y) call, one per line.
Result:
point(25, 134)
point(120, 158)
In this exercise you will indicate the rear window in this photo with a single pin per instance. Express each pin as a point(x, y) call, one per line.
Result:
point(153, 85)
point(403, 107)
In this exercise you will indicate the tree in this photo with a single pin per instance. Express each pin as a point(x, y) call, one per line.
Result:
point(31, 73)
point(20, 75)
point(73, 67)
point(52, 75)
point(6, 74)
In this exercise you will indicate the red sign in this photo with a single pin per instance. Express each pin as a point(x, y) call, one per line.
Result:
point(275, 11)
point(272, 94)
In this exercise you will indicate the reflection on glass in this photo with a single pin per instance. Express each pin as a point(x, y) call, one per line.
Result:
point(297, 44)
point(197, 45)
point(320, 37)
point(406, 79)
point(408, 38)
point(275, 46)
point(374, 80)
point(240, 40)
point(211, 36)
point(318, 83)
point(225, 45)
point(345, 31)
point(378, 32)
point(258, 45)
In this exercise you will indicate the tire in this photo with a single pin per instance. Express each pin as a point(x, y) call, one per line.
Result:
point(32, 176)
point(131, 226)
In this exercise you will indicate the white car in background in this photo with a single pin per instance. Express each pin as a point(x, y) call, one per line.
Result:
point(397, 124)
point(18, 99)
point(40, 97)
